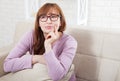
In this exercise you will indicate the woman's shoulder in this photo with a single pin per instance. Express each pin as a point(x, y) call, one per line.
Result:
point(68, 40)
point(68, 37)
point(29, 33)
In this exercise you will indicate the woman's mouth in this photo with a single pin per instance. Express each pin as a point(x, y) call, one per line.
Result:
point(49, 27)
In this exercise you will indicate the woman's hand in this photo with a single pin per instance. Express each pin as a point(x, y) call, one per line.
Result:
point(38, 59)
point(51, 38)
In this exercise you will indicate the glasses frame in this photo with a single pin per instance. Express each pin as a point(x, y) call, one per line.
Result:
point(50, 17)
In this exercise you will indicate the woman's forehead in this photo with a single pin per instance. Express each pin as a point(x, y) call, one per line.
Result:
point(52, 11)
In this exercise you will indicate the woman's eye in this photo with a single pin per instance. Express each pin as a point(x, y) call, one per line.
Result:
point(43, 16)
point(53, 16)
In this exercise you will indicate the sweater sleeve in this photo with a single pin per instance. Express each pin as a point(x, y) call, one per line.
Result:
point(17, 58)
point(58, 67)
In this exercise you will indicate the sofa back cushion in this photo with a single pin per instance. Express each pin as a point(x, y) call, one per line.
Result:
point(21, 29)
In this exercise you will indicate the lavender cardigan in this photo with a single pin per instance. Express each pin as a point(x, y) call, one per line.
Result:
point(58, 59)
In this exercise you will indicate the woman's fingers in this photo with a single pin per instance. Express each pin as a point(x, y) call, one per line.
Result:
point(56, 30)
point(53, 36)
point(50, 35)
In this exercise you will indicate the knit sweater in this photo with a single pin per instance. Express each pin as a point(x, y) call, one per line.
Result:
point(58, 60)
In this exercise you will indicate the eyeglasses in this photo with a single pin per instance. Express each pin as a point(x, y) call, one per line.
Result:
point(53, 17)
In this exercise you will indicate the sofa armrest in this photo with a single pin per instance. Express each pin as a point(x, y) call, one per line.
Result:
point(3, 53)
point(2, 57)
point(39, 71)
point(68, 75)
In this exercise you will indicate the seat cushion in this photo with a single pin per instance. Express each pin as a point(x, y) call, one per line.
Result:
point(38, 73)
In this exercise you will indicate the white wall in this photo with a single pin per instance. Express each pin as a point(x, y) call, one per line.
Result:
point(102, 15)
point(11, 11)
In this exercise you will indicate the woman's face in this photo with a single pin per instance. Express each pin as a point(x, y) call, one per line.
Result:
point(49, 21)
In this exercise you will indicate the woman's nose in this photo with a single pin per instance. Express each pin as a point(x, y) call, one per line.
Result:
point(48, 20)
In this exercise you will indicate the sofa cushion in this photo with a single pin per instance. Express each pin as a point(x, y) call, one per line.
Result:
point(38, 73)
point(4, 51)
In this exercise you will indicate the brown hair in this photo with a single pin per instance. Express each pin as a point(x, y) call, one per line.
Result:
point(38, 44)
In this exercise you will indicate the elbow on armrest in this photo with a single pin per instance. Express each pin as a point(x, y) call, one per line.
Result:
point(2, 58)
point(3, 54)
point(63, 76)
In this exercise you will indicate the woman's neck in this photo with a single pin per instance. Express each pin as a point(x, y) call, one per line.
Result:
point(45, 34)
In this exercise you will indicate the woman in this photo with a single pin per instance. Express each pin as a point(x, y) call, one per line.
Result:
point(46, 43)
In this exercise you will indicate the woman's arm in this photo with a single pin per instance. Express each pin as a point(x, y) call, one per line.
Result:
point(59, 67)
point(17, 58)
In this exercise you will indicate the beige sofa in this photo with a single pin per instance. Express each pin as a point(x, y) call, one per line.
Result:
point(97, 57)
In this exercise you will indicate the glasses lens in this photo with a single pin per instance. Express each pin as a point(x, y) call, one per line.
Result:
point(43, 18)
point(54, 17)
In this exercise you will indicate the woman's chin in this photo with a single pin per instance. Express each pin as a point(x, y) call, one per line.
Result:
point(48, 31)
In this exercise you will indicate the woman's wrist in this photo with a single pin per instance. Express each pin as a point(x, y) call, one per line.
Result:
point(34, 59)
point(48, 48)
point(38, 59)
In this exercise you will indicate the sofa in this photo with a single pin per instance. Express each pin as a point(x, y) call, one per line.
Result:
point(97, 57)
